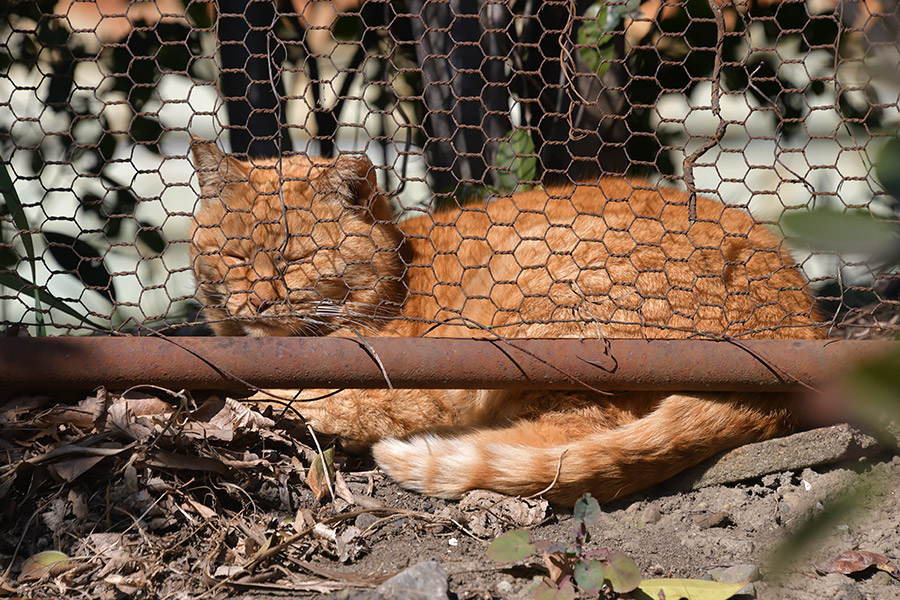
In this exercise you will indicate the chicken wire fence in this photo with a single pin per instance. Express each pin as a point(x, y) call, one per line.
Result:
point(788, 109)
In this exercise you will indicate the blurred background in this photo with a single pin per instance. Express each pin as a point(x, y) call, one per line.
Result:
point(789, 108)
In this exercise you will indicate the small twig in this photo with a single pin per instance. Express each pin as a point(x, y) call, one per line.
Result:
point(291, 540)
point(555, 478)
point(691, 161)
point(223, 372)
point(12, 559)
point(404, 163)
point(425, 516)
point(322, 458)
point(374, 355)
point(332, 575)
point(510, 342)
point(781, 374)
point(566, 62)
point(175, 413)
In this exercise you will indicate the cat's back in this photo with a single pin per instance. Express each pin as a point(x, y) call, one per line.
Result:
point(587, 210)
point(620, 253)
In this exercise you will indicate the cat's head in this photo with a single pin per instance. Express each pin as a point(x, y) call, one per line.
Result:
point(298, 246)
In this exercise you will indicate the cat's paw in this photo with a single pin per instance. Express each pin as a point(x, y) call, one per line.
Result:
point(317, 417)
point(340, 417)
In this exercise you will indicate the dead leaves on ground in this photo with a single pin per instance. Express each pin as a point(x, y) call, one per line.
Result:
point(138, 428)
point(487, 514)
point(196, 476)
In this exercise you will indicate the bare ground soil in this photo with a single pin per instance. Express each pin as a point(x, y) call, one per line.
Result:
point(165, 495)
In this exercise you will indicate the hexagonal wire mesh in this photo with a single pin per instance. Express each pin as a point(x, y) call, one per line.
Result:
point(777, 107)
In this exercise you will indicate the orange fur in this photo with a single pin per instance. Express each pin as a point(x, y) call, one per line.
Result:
point(617, 259)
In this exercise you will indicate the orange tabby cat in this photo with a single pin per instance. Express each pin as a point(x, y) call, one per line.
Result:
point(322, 254)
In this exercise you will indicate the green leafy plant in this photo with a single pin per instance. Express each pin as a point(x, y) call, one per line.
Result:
point(596, 37)
point(886, 170)
point(571, 565)
point(517, 161)
point(13, 206)
point(856, 236)
point(593, 571)
point(66, 254)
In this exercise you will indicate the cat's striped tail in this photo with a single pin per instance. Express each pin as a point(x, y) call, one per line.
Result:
point(564, 461)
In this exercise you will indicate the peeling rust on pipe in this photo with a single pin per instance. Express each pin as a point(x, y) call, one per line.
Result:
point(70, 364)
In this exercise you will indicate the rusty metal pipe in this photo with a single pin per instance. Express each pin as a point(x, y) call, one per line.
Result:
point(70, 363)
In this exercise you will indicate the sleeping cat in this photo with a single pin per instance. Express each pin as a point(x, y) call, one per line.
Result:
point(323, 255)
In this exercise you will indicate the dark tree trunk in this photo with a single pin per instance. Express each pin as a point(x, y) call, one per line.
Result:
point(248, 56)
point(553, 108)
point(465, 117)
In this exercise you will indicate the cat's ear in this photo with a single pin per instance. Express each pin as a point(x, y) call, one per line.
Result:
point(357, 185)
point(358, 179)
point(214, 168)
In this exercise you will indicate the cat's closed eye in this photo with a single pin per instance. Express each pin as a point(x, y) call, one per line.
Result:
point(234, 260)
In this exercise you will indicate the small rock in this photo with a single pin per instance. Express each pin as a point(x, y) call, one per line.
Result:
point(882, 578)
point(849, 591)
point(364, 520)
point(503, 588)
point(651, 515)
point(735, 573)
point(737, 548)
point(657, 570)
point(702, 506)
point(424, 581)
point(719, 519)
point(793, 505)
point(771, 481)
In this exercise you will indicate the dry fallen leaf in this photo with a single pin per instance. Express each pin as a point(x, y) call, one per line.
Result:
point(138, 418)
point(224, 571)
point(79, 505)
point(854, 561)
point(229, 415)
point(557, 566)
point(349, 544)
point(187, 462)
point(55, 514)
point(38, 565)
point(203, 510)
point(72, 468)
point(129, 585)
point(693, 589)
point(342, 489)
point(488, 513)
point(321, 474)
